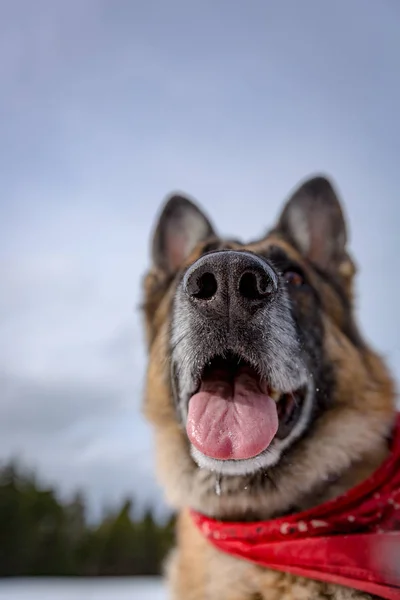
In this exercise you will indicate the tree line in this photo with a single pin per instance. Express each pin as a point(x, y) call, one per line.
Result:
point(40, 535)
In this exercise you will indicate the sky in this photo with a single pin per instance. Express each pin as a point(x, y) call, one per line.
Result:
point(106, 106)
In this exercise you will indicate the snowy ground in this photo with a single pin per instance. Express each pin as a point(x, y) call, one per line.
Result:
point(83, 589)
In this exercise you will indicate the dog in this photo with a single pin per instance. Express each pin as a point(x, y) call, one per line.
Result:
point(264, 398)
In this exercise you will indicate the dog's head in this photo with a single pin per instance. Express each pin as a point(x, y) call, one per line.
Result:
point(258, 378)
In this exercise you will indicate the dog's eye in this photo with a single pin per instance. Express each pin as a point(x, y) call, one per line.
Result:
point(293, 278)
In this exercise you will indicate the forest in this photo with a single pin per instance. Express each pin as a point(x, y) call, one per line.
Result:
point(40, 535)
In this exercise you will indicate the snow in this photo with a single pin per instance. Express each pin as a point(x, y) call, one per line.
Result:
point(83, 589)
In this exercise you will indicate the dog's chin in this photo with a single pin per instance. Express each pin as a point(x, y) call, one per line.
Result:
point(239, 424)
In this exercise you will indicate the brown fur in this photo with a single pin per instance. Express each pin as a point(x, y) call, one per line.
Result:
point(345, 445)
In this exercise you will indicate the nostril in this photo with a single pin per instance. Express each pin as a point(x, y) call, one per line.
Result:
point(205, 287)
point(255, 286)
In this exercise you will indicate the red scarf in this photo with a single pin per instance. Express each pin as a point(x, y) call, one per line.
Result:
point(336, 542)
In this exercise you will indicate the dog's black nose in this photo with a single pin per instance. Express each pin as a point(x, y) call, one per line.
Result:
point(230, 280)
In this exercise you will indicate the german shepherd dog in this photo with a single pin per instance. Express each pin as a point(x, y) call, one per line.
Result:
point(264, 397)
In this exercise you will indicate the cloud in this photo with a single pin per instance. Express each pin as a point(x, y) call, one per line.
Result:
point(50, 407)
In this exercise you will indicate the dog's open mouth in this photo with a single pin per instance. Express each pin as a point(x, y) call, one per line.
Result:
point(235, 415)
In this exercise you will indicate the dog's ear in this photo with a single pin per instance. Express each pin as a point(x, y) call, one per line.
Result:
point(313, 221)
point(180, 227)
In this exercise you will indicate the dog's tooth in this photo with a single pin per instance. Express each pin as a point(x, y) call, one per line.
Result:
point(275, 395)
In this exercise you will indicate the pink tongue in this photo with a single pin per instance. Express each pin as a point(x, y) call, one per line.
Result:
point(231, 420)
